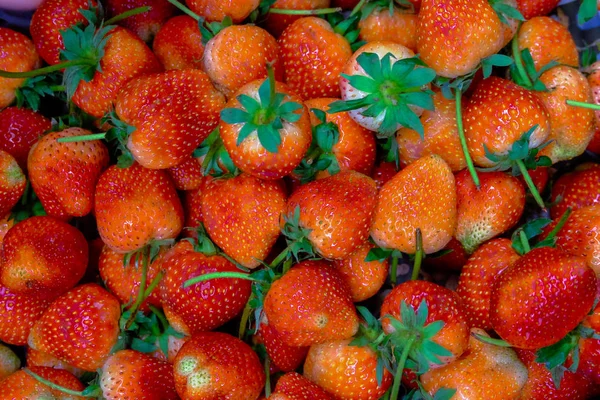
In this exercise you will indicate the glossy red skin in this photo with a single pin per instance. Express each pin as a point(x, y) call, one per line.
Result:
point(540, 298)
point(40, 359)
point(589, 349)
point(187, 175)
point(383, 173)
point(178, 44)
point(576, 189)
point(227, 367)
point(43, 257)
point(283, 357)
point(192, 206)
point(80, 327)
point(144, 25)
point(21, 385)
point(206, 305)
point(293, 386)
point(453, 261)
point(20, 128)
point(18, 313)
point(12, 182)
point(536, 8)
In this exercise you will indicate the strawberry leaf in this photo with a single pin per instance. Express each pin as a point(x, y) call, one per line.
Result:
point(588, 9)
point(495, 60)
point(505, 11)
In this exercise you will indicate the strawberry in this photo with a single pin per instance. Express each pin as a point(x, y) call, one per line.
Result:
point(216, 10)
point(454, 259)
point(311, 304)
point(487, 211)
point(217, 365)
point(192, 206)
point(293, 386)
point(136, 194)
point(36, 358)
point(485, 371)
point(281, 356)
point(80, 327)
point(135, 375)
point(241, 215)
point(178, 44)
point(172, 113)
point(187, 175)
point(17, 54)
point(589, 348)
point(64, 175)
point(206, 305)
point(477, 277)
point(12, 182)
point(20, 128)
point(43, 257)
point(421, 196)
point(572, 127)
point(144, 25)
point(380, 22)
point(337, 210)
point(535, 319)
point(383, 172)
point(21, 385)
point(575, 190)
point(9, 362)
point(594, 81)
point(547, 40)
point(263, 131)
point(276, 23)
point(346, 371)
point(536, 8)
point(19, 313)
point(314, 71)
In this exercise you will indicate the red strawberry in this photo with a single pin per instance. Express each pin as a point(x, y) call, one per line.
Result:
point(293, 386)
point(18, 314)
point(564, 288)
point(9, 362)
point(217, 10)
point(192, 205)
point(64, 175)
point(178, 44)
point(80, 327)
point(276, 23)
point(136, 194)
point(589, 348)
point(20, 128)
point(21, 385)
point(397, 25)
point(577, 189)
point(215, 365)
point(536, 8)
point(36, 358)
point(594, 81)
point(282, 357)
point(477, 277)
point(311, 304)
point(43, 257)
point(128, 374)
point(455, 258)
point(144, 25)
point(12, 182)
point(383, 172)
point(17, 54)
point(187, 175)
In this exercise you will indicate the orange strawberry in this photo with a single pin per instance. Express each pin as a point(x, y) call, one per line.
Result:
point(187, 175)
point(20, 128)
point(21, 385)
point(17, 54)
point(217, 365)
point(276, 23)
point(423, 195)
point(18, 314)
point(12, 182)
point(136, 194)
point(282, 356)
point(576, 189)
point(178, 44)
point(382, 23)
point(144, 25)
point(293, 386)
point(9, 362)
point(217, 10)
point(36, 358)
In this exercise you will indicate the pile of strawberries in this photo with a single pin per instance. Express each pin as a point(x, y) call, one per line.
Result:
point(217, 199)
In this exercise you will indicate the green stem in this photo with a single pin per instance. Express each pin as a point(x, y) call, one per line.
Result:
point(583, 105)
point(358, 7)
point(281, 256)
point(244, 319)
point(394, 270)
point(54, 386)
point(272, 85)
point(185, 9)
point(127, 14)
point(160, 315)
point(561, 223)
point(216, 275)
point(519, 61)
point(140, 296)
point(530, 184)
point(57, 88)
point(319, 11)
point(153, 284)
point(82, 138)
point(398, 378)
point(463, 139)
point(45, 70)
point(418, 256)
point(524, 242)
point(268, 377)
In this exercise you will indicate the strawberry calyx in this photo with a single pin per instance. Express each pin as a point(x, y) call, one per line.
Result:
point(347, 27)
point(522, 236)
point(422, 394)
point(298, 245)
point(30, 93)
point(264, 116)
point(91, 391)
point(523, 71)
point(504, 11)
point(216, 161)
point(152, 330)
point(202, 243)
point(29, 205)
point(381, 254)
point(209, 30)
point(588, 9)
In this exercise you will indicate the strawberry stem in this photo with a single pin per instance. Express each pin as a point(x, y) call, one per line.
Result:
point(319, 11)
point(519, 61)
point(583, 105)
point(141, 291)
point(54, 386)
point(400, 369)
point(418, 256)
point(215, 275)
point(185, 9)
point(532, 189)
point(357, 8)
point(267, 376)
point(559, 225)
point(127, 14)
point(463, 140)
point(524, 242)
point(159, 314)
point(153, 284)
point(244, 319)
point(82, 138)
point(45, 70)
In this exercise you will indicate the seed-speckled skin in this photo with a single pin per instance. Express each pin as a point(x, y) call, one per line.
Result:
point(144, 25)
point(40, 359)
point(536, 8)
point(9, 361)
point(126, 56)
point(250, 156)
point(540, 386)
point(453, 36)
point(498, 114)
point(293, 386)
point(576, 189)
point(22, 386)
point(399, 27)
point(238, 55)
point(477, 276)
point(276, 23)
point(594, 81)
point(43, 256)
point(178, 44)
point(311, 304)
point(218, 366)
point(338, 210)
point(485, 372)
point(442, 304)
point(364, 278)
point(440, 136)
point(484, 213)
point(131, 375)
point(346, 371)
point(192, 206)
point(423, 195)
point(548, 40)
point(241, 215)
point(18, 313)
point(20, 128)
point(136, 205)
point(356, 146)
point(541, 297)
point(80, 327)
point(187, 175)
point(17, 54)
point(173, 112)
point(572, 127)
point(589, 349)
point(12, 182)
point(216, 10)
point(205, 305)
point(64, 175)
point(282, 356)
point(313, 57)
